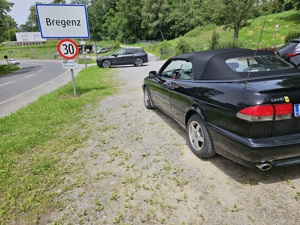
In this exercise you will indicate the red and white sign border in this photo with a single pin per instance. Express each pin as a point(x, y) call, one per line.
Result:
point(69, 41)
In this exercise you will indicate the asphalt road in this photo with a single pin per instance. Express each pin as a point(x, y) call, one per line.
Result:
point(34, 79)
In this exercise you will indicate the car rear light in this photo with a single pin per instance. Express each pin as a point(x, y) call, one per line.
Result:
point(266, 112)
point(291, 54)
point(283, 111)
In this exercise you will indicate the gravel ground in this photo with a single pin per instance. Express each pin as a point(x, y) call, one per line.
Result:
point(136, 168)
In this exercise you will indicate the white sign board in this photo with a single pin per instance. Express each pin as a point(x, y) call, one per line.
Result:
point(63, 21)
point(68, 64)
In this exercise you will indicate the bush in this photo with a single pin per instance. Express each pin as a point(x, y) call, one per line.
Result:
point(229, 44)
point(214, 40)
point(183, 47)
point(292, 35)
point(166, 50)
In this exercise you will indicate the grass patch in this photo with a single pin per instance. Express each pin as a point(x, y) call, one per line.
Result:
point(35, 140)
point(288, 23)
point(7, 69)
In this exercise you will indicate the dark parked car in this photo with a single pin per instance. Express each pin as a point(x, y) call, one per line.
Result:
point(124, 56)
point(291, 51)
point(239, 103)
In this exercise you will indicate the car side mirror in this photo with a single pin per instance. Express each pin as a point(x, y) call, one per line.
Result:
point(152, 74)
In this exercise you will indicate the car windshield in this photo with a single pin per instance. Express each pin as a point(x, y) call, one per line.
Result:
point(258, 64)
point(178, 69)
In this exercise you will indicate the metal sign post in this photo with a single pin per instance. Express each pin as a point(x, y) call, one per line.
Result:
point(68, 49)
point(73, 81)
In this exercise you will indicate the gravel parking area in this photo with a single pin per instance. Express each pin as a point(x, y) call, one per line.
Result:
point(136, 168)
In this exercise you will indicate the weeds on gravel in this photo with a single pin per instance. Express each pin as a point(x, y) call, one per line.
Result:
point(114, 196)
point(34, 141)
point(290, 183)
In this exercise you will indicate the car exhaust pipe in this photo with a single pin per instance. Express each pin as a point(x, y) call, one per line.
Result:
point(264, 166)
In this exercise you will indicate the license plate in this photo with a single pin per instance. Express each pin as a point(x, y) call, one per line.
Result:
point(296, 110)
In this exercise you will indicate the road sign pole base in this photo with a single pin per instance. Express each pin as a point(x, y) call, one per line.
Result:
point(73, 81)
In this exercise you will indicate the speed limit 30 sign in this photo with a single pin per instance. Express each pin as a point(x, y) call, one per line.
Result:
point(67, 48)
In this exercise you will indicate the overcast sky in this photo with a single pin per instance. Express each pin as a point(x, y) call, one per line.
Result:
point(20, 10)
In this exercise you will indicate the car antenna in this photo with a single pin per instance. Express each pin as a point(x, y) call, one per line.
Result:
point(249, 72)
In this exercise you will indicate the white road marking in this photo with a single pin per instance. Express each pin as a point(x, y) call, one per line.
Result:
point(29, 75)
point(7, 83)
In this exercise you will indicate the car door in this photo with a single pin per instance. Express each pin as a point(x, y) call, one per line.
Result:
point(168, 87)
point(180, 86)
point(160, 92)
point(129, 55)
point(119, 57)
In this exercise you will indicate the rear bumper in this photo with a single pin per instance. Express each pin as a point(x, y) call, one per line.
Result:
point(277, 151)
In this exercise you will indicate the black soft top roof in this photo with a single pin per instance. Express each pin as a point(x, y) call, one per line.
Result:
point(211, 65)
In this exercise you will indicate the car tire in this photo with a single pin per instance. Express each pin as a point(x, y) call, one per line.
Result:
point(106, 63)
point(147, 99)
point(199, 139)
point(138, 62)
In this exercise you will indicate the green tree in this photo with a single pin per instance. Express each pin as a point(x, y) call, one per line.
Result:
point(188, 15)
point(131, 18)
point(154, 18)
point(85, 2)
point(295, 3)
point(111, 25)
point(234, 14)
point(11, 28)
point(59, 2)
point(285, 5)
point(5, 7)
point(97, 9)
point(31, 25)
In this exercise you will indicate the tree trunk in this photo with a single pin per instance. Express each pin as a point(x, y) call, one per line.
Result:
point(235, 34)
point(161, 33)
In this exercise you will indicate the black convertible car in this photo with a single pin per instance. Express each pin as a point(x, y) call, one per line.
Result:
point(240, 103)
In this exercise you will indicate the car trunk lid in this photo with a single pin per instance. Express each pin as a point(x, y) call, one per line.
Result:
point(282, 93)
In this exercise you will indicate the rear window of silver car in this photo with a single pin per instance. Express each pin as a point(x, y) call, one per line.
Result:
point(258, 64)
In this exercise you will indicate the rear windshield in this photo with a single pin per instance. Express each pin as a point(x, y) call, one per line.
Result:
point(258, 64)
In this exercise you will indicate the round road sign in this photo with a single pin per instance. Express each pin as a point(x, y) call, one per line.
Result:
point(67, 48)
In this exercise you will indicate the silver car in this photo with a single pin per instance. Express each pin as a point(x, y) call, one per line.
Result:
point(13, 61)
